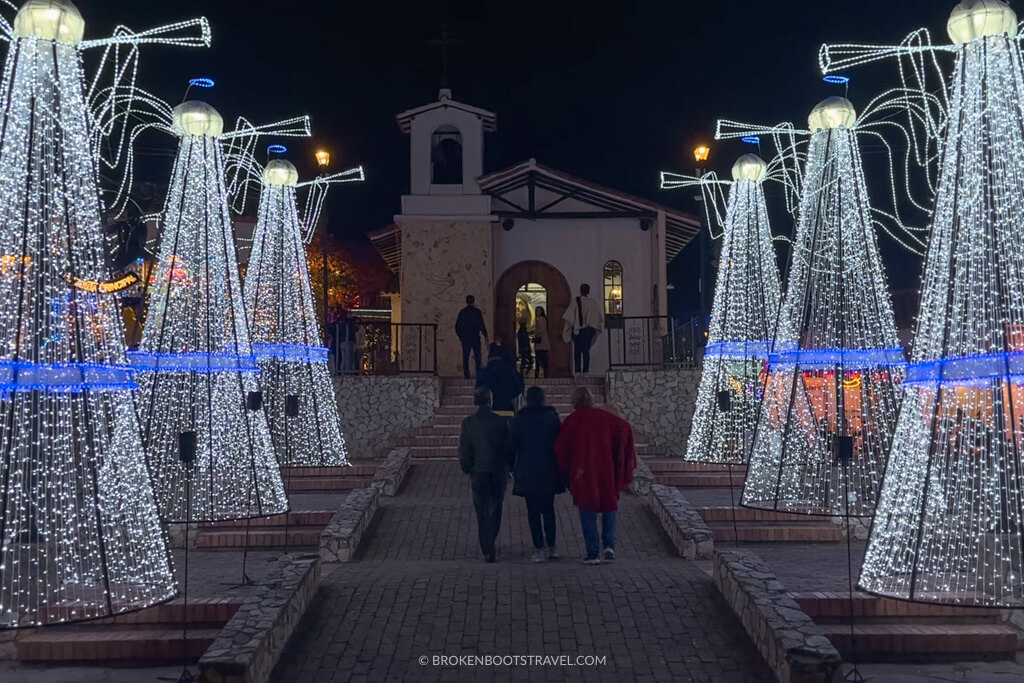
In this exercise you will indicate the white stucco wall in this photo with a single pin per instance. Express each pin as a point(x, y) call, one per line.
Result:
point(579, 248)
point(422, 128)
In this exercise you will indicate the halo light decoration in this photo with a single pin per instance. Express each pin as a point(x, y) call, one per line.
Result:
point(286, 338)
point(199, 400)
point(950, 523)
point(743, 314)
point(831, 397)
point(80, 536)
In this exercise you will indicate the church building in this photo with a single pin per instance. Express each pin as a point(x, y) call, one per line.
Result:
point(518, 238)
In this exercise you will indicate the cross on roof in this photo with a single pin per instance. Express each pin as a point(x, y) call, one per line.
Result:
point(443, 42)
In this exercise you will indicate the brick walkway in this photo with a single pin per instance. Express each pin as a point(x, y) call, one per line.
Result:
point(419, 588)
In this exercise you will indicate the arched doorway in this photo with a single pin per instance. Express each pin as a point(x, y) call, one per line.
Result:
point(558, 296)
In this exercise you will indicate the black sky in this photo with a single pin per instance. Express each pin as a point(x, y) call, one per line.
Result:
point(611, 92)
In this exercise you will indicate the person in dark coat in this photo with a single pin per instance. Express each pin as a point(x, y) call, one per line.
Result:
point(535, 472)
point(469, 327)
point(483, 456)
point(505, 383)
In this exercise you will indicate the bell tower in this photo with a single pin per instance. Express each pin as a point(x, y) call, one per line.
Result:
point(446, 220)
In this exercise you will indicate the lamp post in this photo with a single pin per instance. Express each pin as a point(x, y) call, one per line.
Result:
point(323, 160)
point(700, 156)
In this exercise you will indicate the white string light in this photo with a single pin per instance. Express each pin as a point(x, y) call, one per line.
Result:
point(830, 402)
point(950, 523)
point(199, 399)
point(746, 303)
point(283, 325)
point(79, 530)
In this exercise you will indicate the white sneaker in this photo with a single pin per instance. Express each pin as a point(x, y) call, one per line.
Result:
point(591, 560)
point(538, 556)
point(609, 554)
point(553, 553)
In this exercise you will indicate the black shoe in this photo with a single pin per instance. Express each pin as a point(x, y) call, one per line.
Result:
point(490, 558)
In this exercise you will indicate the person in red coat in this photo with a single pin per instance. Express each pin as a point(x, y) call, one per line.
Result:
point(595, 449)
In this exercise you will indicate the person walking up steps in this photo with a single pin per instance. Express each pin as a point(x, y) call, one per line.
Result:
point(595, 449)
point(483, 457)
point(535, 472)
point(469, 327)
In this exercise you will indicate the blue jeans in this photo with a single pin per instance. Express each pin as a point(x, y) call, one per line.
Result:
point(588, 520)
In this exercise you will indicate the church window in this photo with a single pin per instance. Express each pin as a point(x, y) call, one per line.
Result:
point(613, 288)
point(446, 156)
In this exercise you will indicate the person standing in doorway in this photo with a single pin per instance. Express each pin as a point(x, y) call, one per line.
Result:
point(595, 449)
point(583, 323)
point(541, 342)
point(536, 476)
point(469, 327)
point(483, 456)
point(345, 333)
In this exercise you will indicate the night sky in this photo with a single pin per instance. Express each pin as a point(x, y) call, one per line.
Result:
point(613, 93)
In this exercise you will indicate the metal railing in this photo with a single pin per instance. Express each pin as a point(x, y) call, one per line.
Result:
point(386, 348)
point(652, 341)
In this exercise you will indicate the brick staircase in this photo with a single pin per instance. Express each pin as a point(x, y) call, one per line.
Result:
point(898, 631)
point(439, 438)
point(150, 637)
point(310, 479)
point(706, 486)
point(296, 530)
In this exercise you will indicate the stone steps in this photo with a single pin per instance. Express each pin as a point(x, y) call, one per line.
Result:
point(835, 605)
point(308, 484)
point(293, 518)
point(667, 465)
point(907, 642)
point(359, 469)
point(149, 637)
point(725, 514)
point(268, 537)
point(700, 479)
point(787, 532)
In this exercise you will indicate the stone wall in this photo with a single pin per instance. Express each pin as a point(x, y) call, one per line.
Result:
point(376, 409)
point(250, 643)
point(442, 262)
point(795, 648)
point(659, 403)
point(681, 521)
point(341, 537)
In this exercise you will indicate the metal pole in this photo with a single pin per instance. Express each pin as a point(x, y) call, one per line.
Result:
point(323, 264)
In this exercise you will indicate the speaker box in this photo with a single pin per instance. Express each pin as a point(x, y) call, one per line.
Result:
point(724, 401)
point(254, 400)
point(187, 447)
point(291, 405)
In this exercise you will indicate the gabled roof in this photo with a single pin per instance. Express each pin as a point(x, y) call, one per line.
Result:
point(445, 101)
point(533, 190)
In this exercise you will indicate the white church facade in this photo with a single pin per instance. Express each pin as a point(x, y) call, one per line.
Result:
point(524, 236)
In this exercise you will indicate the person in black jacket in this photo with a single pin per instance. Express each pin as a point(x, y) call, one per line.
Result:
point(469, 326)
point(500, 376)
point(483, 456)
point(531, 442)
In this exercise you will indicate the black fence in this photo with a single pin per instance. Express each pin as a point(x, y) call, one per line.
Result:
point(652, 341)
point(385, 348)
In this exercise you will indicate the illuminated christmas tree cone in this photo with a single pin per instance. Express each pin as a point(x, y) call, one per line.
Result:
point(297, 388)
point(746, 304)
point(950, 523)
point(80, 537)
point(199, 399)
point(831, 400)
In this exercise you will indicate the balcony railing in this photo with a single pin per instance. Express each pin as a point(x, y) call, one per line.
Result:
point(386, 348)
point(652, 341)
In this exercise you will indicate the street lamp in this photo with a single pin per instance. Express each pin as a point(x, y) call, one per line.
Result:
point(323, 160)
point(700, 155)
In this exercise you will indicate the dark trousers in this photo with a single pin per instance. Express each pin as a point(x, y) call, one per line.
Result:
point(541, 505)
point(581, 344)
point(542, 363)
point(467, 348)
point(488, 496)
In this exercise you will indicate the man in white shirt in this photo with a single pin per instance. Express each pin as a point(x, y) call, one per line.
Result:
point(583, 323)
